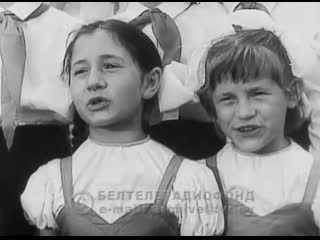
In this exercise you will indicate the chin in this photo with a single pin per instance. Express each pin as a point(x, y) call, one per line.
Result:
point(248, 149)
point(100, 122)
point(253, 146)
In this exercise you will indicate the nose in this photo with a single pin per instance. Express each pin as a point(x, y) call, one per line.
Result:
point(245, 110)
point(96, 81)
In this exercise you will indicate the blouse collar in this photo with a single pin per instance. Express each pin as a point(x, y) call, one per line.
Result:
point(24, 9)
point(129, 144)
point(287, 148)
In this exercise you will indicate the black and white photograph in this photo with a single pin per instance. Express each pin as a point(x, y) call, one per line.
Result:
point(160, 118)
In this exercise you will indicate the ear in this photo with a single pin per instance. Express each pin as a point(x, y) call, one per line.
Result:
point(294, 93)
point(151, 83)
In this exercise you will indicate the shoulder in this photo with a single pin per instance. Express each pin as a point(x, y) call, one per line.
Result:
point(38, 197)
point(226, 154)
point(195, 175)
point(50, 168)
point(46, 175)
point(299, 157)
point(190, 173)
point(295, 163)
point(154, 146)
point(197, 193)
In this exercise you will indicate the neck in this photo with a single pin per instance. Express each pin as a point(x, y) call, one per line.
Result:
point(118, 134)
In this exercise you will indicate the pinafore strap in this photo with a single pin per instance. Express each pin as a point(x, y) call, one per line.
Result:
point(211, 163)
point(66, 180)
point(167, 181)
point(163, 192)
point(313, 182)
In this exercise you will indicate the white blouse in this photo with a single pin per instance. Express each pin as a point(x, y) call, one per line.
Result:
point(304, 19)
point(45, 97)
point(103, 175)
point(267, 182)
point(93, 11)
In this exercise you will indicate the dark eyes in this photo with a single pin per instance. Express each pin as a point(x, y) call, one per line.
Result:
point(108, 66)
point(260, 93)
point(232, 99)
point(105, 67)
point(80, 72)
point(228, 100)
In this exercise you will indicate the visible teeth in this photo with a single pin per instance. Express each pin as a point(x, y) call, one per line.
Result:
point(96, 101)
point(246, 129)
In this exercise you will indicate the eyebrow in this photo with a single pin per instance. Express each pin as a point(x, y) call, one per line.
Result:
point(258, 89)
point(104, 56)
point(225, 94)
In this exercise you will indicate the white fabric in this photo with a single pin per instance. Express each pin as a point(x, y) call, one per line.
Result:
point(173, 92)
point(134, 9)
point(93, 11)
point(274, 180)
point(304, 19)
point(136, 167)
point(205, 21)
point(197, 25)
point(45, 97)
point(231, 5)
point(24, 9)
point(252, 19)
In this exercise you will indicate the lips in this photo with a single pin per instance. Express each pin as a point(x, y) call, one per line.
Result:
point(98, 103)
point(248, 130)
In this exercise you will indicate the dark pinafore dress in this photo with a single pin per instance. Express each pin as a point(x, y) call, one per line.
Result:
point(291, 220)
point(76, 219)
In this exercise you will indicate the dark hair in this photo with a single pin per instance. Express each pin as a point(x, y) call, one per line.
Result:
point(246, 56)
point(140, 47)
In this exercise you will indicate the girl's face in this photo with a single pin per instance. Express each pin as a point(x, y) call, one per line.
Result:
point(106, 84)
point(252, 114)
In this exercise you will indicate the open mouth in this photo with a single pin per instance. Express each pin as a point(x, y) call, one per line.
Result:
point(98, 103)
point(248, 130)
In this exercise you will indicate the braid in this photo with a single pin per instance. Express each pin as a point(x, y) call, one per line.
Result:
point(79, 132)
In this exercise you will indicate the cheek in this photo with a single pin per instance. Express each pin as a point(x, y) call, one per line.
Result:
point(224, 115)
point(274, 110)
point(76, 93)
point(277, 114)
point(127, 91)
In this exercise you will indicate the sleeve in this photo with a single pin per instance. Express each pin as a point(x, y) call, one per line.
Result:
point(38, 197)
point(196, 201)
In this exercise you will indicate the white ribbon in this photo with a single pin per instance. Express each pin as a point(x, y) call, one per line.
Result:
point(174, 91)
point(251, 19)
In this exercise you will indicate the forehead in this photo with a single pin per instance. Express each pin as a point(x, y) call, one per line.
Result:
point(262, 83)
point(96, 44)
